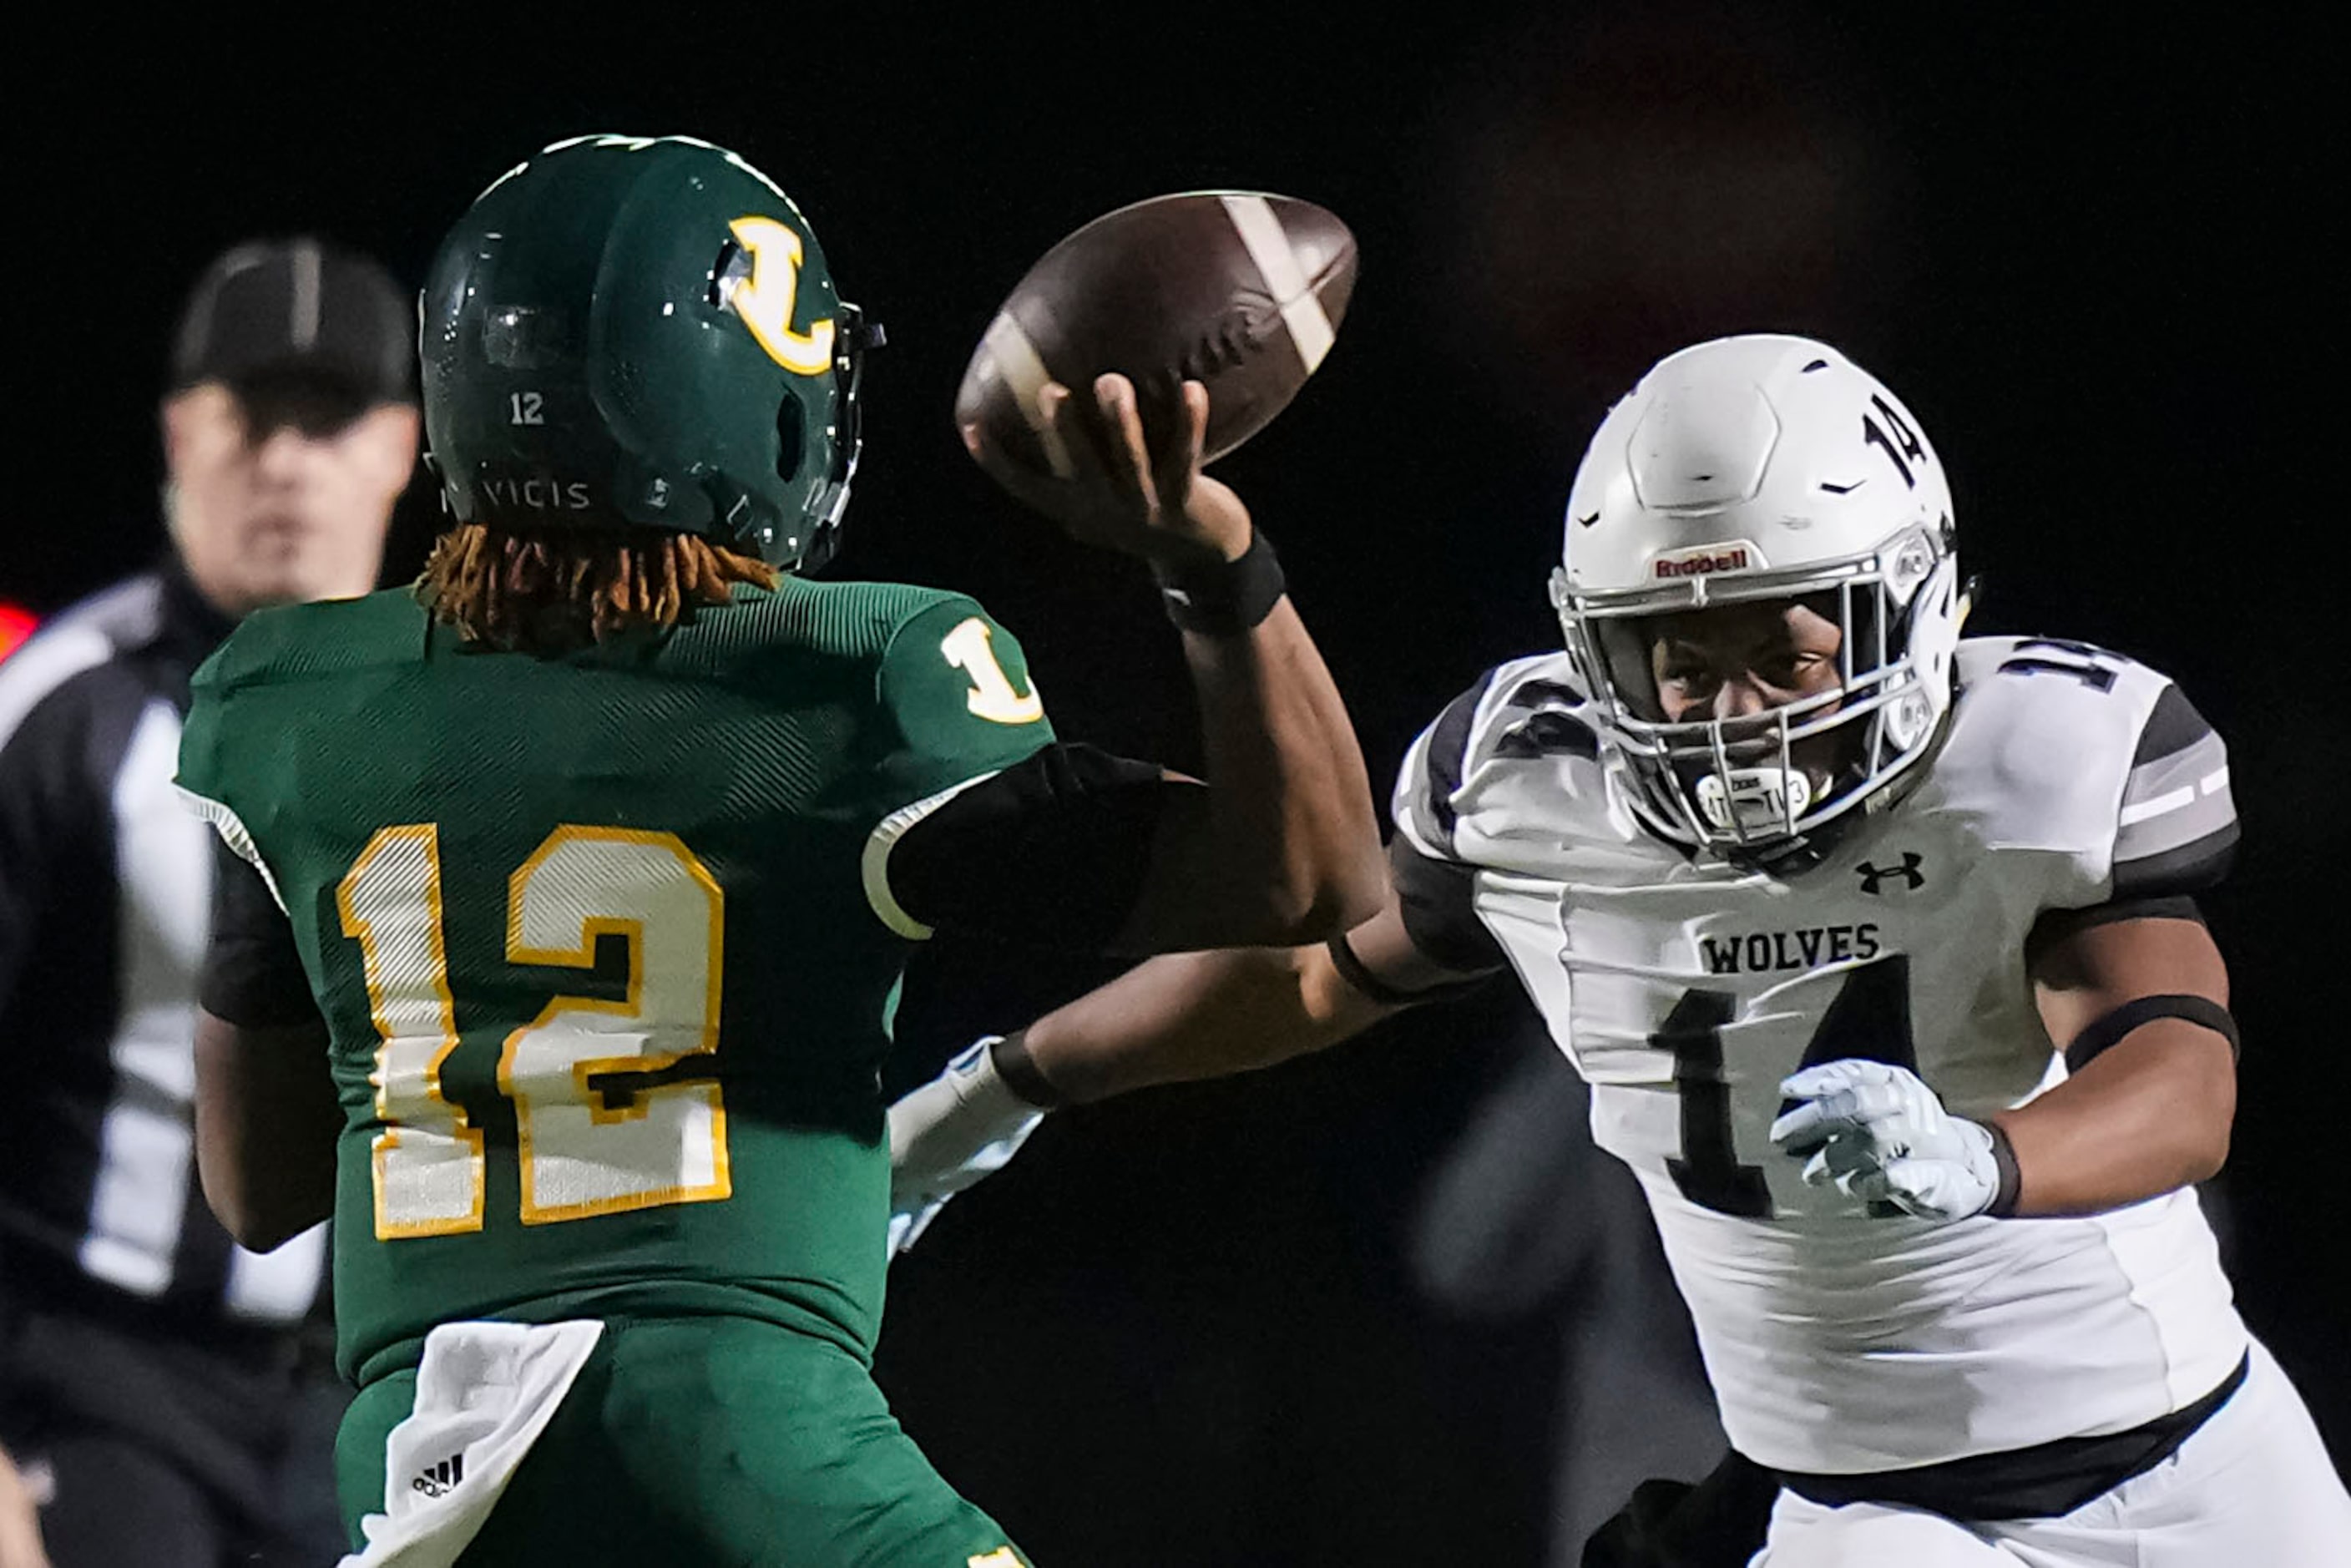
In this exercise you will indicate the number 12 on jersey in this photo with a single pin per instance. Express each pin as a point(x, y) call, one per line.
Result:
point(605, 1120)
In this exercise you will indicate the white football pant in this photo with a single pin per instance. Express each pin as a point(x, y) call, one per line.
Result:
point(2251, 1488)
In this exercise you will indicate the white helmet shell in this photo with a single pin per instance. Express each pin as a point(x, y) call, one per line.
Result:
point(1765, 467)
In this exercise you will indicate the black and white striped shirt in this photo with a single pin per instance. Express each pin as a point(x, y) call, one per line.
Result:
point(106, 884)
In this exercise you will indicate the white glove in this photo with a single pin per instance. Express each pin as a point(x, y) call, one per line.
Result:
point(1880, 1133)
point(960, 1126)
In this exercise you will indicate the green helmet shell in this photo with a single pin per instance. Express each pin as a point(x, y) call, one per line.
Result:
point(634, 333)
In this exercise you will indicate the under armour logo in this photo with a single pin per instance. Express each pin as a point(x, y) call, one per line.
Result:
point(1871, 876)
point(434, 1480)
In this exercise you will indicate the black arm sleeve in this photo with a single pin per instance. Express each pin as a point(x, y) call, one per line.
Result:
point(2055, 924)
point(253, 973)
point(1054, 849)
point(1438, 899)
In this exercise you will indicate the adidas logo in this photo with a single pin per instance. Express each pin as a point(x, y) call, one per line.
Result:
point(434, 1480)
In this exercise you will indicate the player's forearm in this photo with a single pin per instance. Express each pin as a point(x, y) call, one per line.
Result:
point(1195, 1015)
point(264, 1134)
point(262, 1208)
point(2149, 1115)
point(1293, 841)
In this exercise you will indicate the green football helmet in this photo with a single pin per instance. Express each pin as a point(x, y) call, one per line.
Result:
point(641, 332)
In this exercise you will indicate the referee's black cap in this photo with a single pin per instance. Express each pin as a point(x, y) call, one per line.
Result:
point(272, 311)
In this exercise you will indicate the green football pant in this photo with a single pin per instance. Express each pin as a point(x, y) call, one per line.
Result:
point(703, 1440)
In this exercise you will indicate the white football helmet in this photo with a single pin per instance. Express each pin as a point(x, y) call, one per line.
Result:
point(1764, 467)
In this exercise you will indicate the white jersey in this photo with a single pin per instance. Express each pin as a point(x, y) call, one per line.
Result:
point(1841, 1340)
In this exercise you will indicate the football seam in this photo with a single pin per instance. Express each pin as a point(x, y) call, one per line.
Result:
point(1025, 374)
point(1269, 245)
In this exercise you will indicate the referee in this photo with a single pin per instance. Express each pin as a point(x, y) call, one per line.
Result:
point(159, 1398)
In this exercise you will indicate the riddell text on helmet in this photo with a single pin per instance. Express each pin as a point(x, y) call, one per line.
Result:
point(1695, 565)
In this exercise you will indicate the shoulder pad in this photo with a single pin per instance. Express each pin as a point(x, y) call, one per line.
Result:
point(2065, 747)
point(853, 618)
point(1512, 754)
point(326, 637)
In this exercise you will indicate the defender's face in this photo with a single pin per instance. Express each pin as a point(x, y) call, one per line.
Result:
point(1736, 664)
point(1735, 661)
point(277, 498)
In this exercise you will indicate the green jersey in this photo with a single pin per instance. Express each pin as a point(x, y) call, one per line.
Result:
point(604, 941)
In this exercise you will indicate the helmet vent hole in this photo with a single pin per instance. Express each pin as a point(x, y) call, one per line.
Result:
point(727, 273)
point(790, 443)
point(1815, 365)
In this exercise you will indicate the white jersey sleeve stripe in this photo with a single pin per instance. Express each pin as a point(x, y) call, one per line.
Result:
point(874, 864)
point(2158, 806)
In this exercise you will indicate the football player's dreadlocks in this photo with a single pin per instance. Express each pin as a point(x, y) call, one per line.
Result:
point(534, 592)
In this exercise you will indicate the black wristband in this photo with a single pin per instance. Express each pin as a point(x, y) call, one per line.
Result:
point(2109, 1028)
point(1021, 1072)
point(1224, 598)
point(2003, 1159)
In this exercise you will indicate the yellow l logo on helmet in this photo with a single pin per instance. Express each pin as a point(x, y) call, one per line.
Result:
point(765, 299)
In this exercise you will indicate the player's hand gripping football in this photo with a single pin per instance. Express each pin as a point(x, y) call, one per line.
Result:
point(1140, 494)
point(962, 1125)
point(1879, 1133)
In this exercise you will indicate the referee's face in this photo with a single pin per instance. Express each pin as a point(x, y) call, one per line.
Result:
point(275, 499)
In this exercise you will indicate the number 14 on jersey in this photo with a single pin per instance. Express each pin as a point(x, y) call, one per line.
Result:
point(1868, 1019)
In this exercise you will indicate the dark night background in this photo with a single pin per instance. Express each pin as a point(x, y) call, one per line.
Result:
point(1187, 1328)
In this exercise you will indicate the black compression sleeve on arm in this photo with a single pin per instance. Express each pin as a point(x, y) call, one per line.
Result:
point(253, 972)
point(2056, 925)
point(1054, 849)
point(1439, 903)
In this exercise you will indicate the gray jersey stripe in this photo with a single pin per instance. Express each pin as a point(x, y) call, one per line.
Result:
point(2182, 824)
point(2186, 768)
point(2175, 800)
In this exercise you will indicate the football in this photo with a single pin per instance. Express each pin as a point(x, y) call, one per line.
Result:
point(1241, 290)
